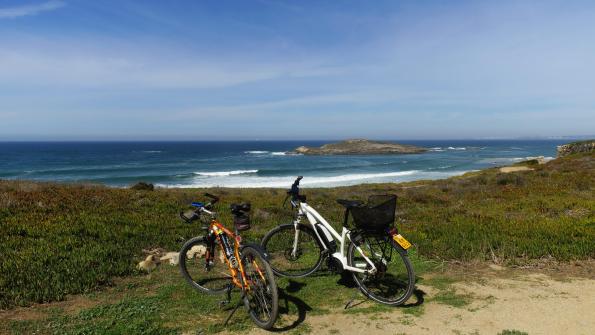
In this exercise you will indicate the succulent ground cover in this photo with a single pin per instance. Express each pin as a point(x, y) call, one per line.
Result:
point(59, 239)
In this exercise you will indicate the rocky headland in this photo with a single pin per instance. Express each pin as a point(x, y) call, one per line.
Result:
point(576, 147)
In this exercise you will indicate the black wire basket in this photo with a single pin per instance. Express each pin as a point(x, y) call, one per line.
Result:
point(377, 215)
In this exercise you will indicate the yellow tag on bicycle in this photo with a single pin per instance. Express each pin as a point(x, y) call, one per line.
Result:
point(402, 241)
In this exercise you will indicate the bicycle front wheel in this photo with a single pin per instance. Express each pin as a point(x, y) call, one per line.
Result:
point(394, 281)
point(203, 265)
point(290, 257)
point(261, 297)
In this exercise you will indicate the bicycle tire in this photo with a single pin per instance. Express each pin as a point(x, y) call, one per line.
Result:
point(263, 293)
point(279, 251)
point(369, 284)
point(194, 271)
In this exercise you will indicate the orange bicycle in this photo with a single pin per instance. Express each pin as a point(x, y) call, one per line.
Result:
point(219, 261)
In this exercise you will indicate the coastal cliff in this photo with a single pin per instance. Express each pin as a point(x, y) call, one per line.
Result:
point(360, 147)
point(576, 147)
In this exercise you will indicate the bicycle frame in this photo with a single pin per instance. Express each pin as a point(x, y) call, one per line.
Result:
point(314, 218)
point(219, 230)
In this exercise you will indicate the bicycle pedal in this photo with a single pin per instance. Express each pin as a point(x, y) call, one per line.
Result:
point(223, 303)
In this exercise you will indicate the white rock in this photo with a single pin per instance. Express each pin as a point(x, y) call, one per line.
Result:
point(196, 251)
point(149, 264)
point(172, 257)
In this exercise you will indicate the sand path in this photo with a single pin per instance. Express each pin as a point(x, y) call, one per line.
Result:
point(533, 303)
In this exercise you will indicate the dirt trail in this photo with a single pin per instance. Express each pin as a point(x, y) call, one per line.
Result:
point(533, 303)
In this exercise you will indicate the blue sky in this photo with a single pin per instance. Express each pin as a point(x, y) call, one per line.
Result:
point(296, 69)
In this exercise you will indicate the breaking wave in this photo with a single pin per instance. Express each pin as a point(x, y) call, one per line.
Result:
point(256, 152)
point(247, 181)
point(225, 173)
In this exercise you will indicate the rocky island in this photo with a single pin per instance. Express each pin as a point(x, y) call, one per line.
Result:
point(360, 147)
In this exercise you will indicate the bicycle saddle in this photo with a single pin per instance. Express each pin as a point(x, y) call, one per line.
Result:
point(350, 203)
point(238, 208)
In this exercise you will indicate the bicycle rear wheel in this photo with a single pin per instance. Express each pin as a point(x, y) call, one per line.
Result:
point(203, 265)
point(261, 296)
point(394, 281)
point(279, 244)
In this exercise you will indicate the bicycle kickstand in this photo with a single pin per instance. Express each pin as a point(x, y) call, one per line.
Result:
point(227, 297)
point(351, 303)
point(234, 309)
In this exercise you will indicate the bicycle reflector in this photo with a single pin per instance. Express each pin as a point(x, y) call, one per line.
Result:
point(393, 231)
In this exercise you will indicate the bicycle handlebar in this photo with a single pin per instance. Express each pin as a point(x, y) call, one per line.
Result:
point(194, 214)
point(295, 190)
point(214, 198)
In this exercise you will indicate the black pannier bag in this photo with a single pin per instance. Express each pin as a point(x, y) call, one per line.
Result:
point(241, 216)
point(377, 215)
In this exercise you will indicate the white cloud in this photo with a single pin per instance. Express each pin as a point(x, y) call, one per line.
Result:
point(27, 10)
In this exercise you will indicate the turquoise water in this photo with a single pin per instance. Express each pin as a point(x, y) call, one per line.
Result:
point(250, 164)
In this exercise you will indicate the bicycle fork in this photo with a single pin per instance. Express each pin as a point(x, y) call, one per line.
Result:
point(295, 241)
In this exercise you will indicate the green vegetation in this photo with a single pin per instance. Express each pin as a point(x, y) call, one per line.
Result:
point(450, 297)
point(58, 239)
point(158, 304)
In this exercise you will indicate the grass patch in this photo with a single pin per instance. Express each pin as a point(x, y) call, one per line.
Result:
point(160, 303)
point(451, 298)
point(439, 282)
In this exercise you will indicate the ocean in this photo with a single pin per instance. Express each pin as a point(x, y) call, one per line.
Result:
point(251, 163)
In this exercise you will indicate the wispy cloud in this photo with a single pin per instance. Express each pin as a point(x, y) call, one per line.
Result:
point(27, 10)
point(110, 65)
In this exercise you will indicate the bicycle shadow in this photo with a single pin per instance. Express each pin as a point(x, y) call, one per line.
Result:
point(346, 280)
point(417, 294)
point(293, 310)
point(286, 300)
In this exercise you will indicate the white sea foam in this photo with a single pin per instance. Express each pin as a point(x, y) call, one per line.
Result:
point(447, 148)
point(224, 173)
point(279, 153)
point(247, 181)
point(151, 151)
point(256, 152)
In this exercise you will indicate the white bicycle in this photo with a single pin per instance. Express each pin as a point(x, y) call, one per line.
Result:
point(373, 251)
